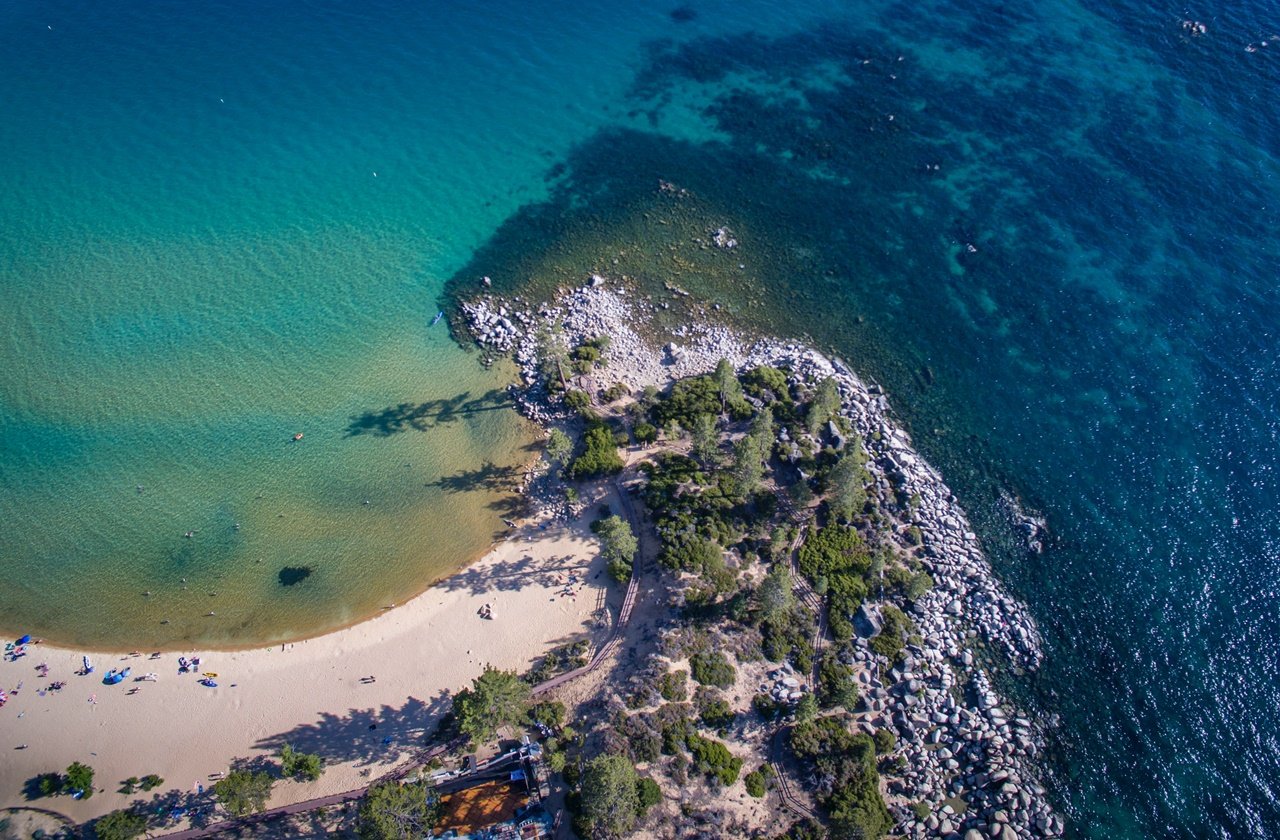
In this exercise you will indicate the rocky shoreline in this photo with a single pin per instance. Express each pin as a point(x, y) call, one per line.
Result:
point(956, 737)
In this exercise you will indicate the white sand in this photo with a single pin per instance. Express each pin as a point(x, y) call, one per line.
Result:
point(309, 694)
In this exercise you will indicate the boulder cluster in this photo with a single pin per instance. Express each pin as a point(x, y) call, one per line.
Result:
point(784, 686)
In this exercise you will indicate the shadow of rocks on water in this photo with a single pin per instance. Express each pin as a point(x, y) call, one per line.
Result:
point(292, 575)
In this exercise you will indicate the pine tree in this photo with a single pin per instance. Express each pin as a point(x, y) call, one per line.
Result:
point(727, 384)
point(824, 406)
point(706, 440)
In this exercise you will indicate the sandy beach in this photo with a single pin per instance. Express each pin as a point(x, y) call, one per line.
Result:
point(315, 694)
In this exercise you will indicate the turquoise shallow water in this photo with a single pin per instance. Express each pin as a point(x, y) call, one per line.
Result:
point(226, 226)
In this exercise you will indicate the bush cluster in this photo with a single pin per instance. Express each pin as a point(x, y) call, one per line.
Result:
point(600, 456)
point(894, 628)
point(757, 781)
point(713, 758)
point(844, 765)
point(836, 686)
point(713, 709)
point(712, 668)
point(674, 686)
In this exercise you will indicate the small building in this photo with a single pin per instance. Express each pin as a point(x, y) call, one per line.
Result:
point(500, 800)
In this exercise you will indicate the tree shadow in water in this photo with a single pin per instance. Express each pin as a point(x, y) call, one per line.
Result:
point(489, 476)
point(368, 737)
point(419, 417)
point(493, 479)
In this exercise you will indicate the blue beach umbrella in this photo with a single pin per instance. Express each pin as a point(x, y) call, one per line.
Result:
point(25, 640)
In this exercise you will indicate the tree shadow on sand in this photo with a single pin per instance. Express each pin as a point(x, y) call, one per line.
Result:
point(419, 417)
point(164, 810)
point(514, 575)
point(368, 737)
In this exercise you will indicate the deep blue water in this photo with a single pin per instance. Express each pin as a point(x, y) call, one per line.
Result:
point(1059, 255)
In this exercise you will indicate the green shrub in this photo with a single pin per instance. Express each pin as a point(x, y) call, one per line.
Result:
point(885, 741)
point(690, 555)
point(841, 628)
point(888, 646)
point(550, 714)
point(895, 626)
point(688, 398)
point(835, 548)
point(645, 432)
point(789, 636)
point(757, 781)
point(120, 825)
point(847, 592)
point(765, 706)
point(712, 668)
point(835, 685)
point(921, 810)
point(766, 383)
point(713, 758)
point(919, 584)
point(298, 765)
point(79, 777)
point(600, 457)
point(853, 801)
point(648, 793)
point(614, 392)
point(857, 809)
point(674, 686)
point(577, 400)
point(806, 708)
point(806, 829)
point(716, 714)
point(243, 791)
point(674, 726)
